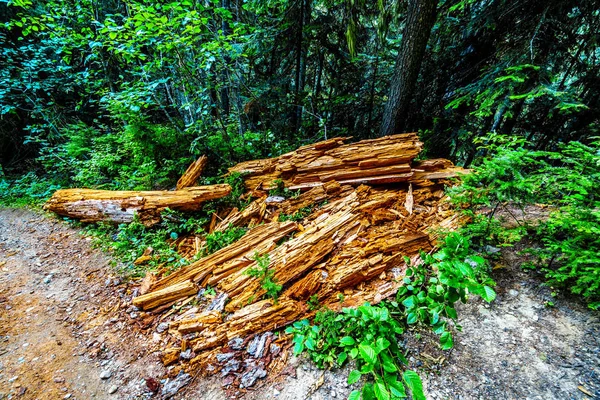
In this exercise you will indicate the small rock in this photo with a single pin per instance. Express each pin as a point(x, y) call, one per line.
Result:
point(59, 380)
point(222, 357)
point(134, 315)
point(68, 396)
point(236, 344)
point(171, 388)
point(249, 378)
point(232, 365)
point(113, 389)
point(48, 279)
point(274, 199)
point(187, 355)
point(274, 349)
point(162, 327)
point(491, 249)
point(218, 303)
point(513, 293)
point(105, 374)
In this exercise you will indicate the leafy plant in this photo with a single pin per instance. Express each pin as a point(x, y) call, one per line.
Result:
point(433, 286)
point(369, 335)
point(264, 274)
point(220, 239)
point(282, 191)
point(297, 216)
point(313, 302)
point(569, 181)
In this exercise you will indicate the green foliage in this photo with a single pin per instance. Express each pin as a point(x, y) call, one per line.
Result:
point(297, 216)
point(264, 274)
point(141, 156)
point(313, 302)
point(370, 334)
point(432, 286)
point(282, 191)
point(27, 190)
point(220, 239)
point(569, 181)
point(233, 199)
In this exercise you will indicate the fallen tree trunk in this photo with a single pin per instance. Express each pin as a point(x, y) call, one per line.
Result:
point(192, 174)
point(356, 163)
point(89, 205)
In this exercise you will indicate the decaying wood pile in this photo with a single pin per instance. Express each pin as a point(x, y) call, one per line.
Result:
point(361, 208)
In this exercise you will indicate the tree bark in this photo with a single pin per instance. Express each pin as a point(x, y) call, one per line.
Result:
point(420, 20)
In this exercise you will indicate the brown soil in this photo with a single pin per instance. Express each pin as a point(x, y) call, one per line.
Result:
point(66, 318)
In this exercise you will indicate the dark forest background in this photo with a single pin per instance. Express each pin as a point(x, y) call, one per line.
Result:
point(124, 94)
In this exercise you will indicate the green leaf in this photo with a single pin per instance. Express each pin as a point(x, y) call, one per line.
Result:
point(413, 381)
point(310, 343)
point(355, 395)
point(409, 302)
point(298, 347)
point(347, 341)
point(367, 392)
point(411, 318)
point(446, 341)
point(367, 353)
point(381, 391)
point(488, 294)
point(396, 388)
point(353, 377)
point(451, 312)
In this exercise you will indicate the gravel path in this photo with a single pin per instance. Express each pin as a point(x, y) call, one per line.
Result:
point(67, 331)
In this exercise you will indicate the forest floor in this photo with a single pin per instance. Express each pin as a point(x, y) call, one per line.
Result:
point(66, 332)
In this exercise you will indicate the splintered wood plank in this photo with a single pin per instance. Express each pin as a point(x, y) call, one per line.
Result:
point(89, 205)
point(256, 209)
point(166, 295)
point(246, 245)
point(192, 174)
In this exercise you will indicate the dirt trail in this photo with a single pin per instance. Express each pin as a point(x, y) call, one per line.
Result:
point(66, 323)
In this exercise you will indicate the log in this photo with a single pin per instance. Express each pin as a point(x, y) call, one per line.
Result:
point(311, 165)
point(166, 295)
point(192, 174)
point(89, 205)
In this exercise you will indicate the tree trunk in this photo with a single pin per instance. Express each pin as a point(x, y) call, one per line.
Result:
point(89, 205)
point(420, 20)
point(225, 74)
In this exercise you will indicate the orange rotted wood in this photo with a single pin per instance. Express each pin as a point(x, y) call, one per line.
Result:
point(89, 205)
point(192, 174)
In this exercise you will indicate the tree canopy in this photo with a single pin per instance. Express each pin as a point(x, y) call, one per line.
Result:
point(125, 94)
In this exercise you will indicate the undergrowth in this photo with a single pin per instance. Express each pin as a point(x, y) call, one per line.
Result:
point(370, 335)
point(265, 276)
point(567, 181)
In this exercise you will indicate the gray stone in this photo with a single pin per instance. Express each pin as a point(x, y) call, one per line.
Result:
point(236, 343)
point(222, 357)
point(249, 378)
point(105, 374)
point(162, 327)
point(170, 388)
point(218, 303)
point(113, 389)
point(187, 355)
point(274, 199)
